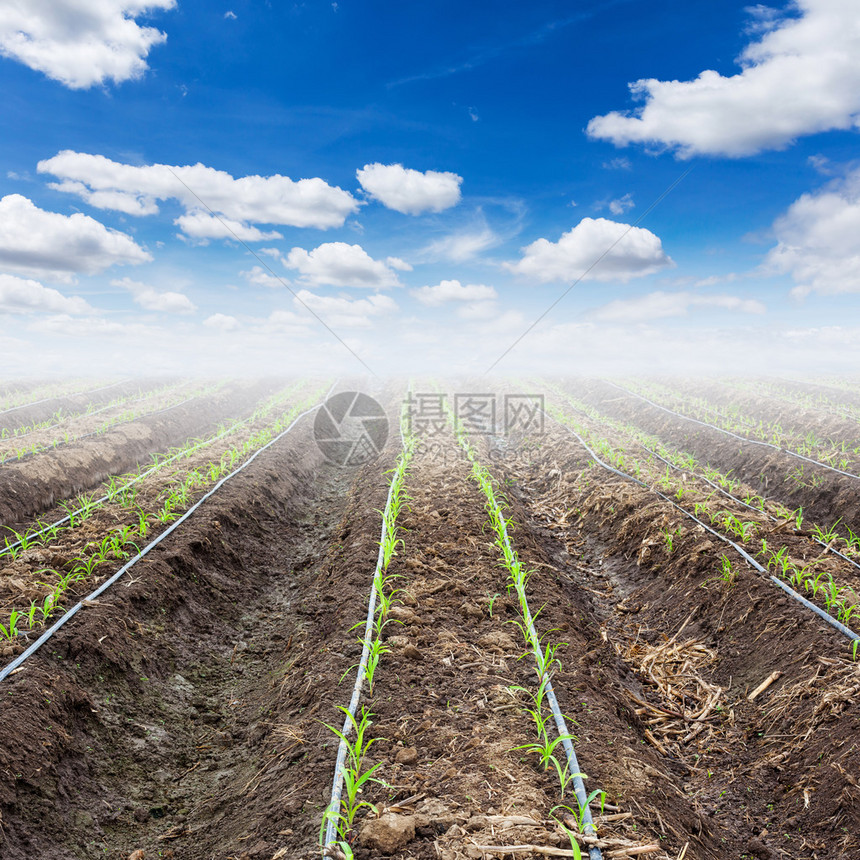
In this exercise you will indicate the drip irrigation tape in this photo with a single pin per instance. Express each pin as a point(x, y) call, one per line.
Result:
point(726, 493)
point(837, 625)
point(21, 658)
point(594, 852)
point(735, 435)
point(96, 432)
point(7, 548)
point(65, 396)
point(112, 405)
point(337, 782)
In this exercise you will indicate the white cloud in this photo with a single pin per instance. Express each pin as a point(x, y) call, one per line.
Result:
point(634, 252)
point(453, 291)
point(202, 225)
point(410, 191)
point(241, 202)
point(711, 280)
point(344, 312)
point(621, 205)
point(463, 246)
point(80, 44)
point(259, 277)
point(47, 244)
point(801, 77)
point(620, 163)
point(230, 15)
point(151, 299)
point(660, 305)
point(24, 296)
point(817, 240)
point(340, 265)
point(397, 263)
point(221, 322)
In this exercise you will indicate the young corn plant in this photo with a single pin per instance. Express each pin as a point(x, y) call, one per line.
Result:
point(354, 775)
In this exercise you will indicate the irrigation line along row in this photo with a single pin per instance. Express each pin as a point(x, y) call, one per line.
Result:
point(58, 444)
point(185, 452)
point(65, 396)
point(735, 435)
point(73, 416)
point(21, 658)
point(719, 489)
point(837, 625)
point(588, 826)
point(337, 783)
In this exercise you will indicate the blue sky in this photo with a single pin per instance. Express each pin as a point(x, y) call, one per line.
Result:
point(191, 187)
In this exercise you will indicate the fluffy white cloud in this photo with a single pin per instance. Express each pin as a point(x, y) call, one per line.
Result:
point(627, 252)
point(801, 77)
point(221, 322)
point(338, 264)
point(397, 263)
point(24, 296)
point(202, 225)
point(241, 202)
point(460, 247)
point(817, 240)
point(47, 244)
point(151, 299)
point(453, 291)
point(410, 191)
point(621, 205)
point(660, 305)
point(346, 313)
point(80, 44)
point(259, 277)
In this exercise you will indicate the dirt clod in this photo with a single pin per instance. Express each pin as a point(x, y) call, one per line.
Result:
point(388, 833)
point(408, 755)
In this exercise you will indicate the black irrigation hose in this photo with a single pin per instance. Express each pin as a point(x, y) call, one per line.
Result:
point(65, 396)
point(838, 625)
point(725, 492)
point(95, 432)
point(21, 658)
point(74, 416)
point(734, 435)
point(337, 783)
point(8, 547)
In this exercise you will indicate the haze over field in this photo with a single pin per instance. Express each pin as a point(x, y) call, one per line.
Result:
point(236, 187)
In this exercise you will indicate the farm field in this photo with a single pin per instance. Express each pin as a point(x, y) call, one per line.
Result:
point(559, 618)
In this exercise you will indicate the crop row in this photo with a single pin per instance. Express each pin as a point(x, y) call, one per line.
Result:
point(61, 416)
point(816, 403)
point(125, 417)
point(139, 515)
point(53, 391)
point(350, 774)
point(827, 452)
point(841, 600)
point(543, 706)
point(827, 537)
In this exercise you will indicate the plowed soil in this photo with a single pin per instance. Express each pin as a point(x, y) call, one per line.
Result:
point(185, 714)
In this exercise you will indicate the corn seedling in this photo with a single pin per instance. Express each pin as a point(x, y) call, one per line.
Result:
point(669, 536)
point(578, 814)
point(828, 535)
point(545, 749)
point(354, 778)
point(11, 632)
point(727, 572)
